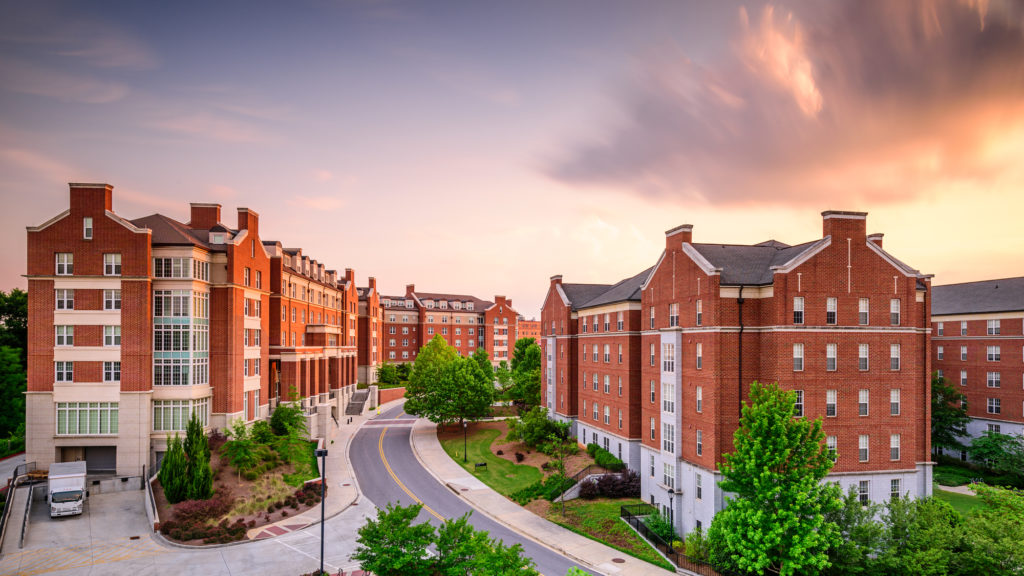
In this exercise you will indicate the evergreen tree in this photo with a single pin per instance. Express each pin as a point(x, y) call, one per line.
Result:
point(174, 471)
point(197, 450)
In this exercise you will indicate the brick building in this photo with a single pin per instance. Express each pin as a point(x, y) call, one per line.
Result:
point(527, 329)
point(135, 325)
point(978, 344)
point(465, 322)
point(371, 326)
point(837, 319)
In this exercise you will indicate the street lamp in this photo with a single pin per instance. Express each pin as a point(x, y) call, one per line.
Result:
point(464, 427)
point(322, 454)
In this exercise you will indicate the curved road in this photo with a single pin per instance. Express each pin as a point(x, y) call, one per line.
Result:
point(388, 471)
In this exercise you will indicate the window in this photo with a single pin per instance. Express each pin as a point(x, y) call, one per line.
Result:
point(863, 309)
point(830, 357)
point(259, 284)
point(798, 406)
point(894, 447)
point(963, 377)
point(596, 410)
point(652, 354)
point(607, 384)
point(668, 357)
point(798, 310)
point(65, 264)
point(700, 398)
point(171, 267)
point(963, 328)
point(831, 305)
point(111, 371)
point(607, 414)
point(992, 379)
point(894, 402)
point(939, 353)
point(111, 335)
point(170, 372)
point(620, 385)
point(698, 487)
point(668, 437)
point(894, 488)
point(862, 356)
point(668, 396)
point(668, 475)
point(172, 415)
point(862, 401)
point(652, 317)
point(652, 465)
point(607, 354)
point(894, 311)
point(595, 381)
point(798, 357)
point(939, 373)
point(652, 392)
point(86, 418)
point(700, 356)
point(673, 314)
point(994, 405)
point(894, 356)
point(653, 429)
point(65, 371)
point(246, 276)
point(65, 299)
point(832, 445)
point(620, 353)
point(171, 303)
point(992, 328)
point(700, 313)
point(620, 418)
point(607, 323)
point(65, 336)
point(618, 324)
point(831, 398)
point(993, 354)
point(863, 444)
point(940, 329)
point(111, 264)
point(595, 352)
point(700, 442)
point(111, 299)
point(963, 353)
point(995, 428)
point(863, 487)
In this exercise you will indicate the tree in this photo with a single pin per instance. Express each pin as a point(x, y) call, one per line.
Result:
point(483, 361)
point(519, 353)
point(445, 387)
point(504, 376)
point(1002, 453)
point(949, 415)
point(392, 546)
point(14, 320)
point(994, 534)
point(199, 483)
point(860, 533)
point(919, 537)
point(403, 370)
point(12, 391)
point(288, 419)
point(776, 522)
point(173, 471)
point(534, 428)
point(525, 389)
point(240, 449)
point(387, 373)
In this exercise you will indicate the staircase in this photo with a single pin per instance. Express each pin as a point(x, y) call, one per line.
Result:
point(355, 405)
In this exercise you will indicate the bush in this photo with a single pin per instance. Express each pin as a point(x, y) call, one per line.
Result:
point(203, 510)
point(592, 449)
point(622, 485)
point(589, 490)
point(697, 546)
point(174, 471)
point(262, 433)
point(288, 419)
point(534, 428)
point(520, 457)
point(500, 452)
point(606, 459)
point(661, 527)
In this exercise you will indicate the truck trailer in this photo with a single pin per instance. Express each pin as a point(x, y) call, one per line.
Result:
point(66, 491)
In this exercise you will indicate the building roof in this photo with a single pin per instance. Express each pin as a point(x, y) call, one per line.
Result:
point(1003, 295)
point(170, 232)
point(580, 294)
point(622, 291)
point(478, 304)
point(750, 265)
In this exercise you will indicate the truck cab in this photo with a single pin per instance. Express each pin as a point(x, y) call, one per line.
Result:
point(66, 493)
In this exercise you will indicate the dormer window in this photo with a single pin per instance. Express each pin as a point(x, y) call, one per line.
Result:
point(216, 238)
point(444, 304)
point(469, 305)
point(87, 228)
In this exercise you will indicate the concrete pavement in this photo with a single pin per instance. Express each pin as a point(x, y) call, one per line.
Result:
point(587, 552)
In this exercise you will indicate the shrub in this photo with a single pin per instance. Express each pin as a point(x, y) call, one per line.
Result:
point(262, 432)
point(500, 452)
point(607, 460)
point(520, 457)
point(534, 428)
point(661, 526)
point(174, 471)
point(589, 490)
point(592, 449)
point(288, 419)
point(697, 546)
point(622, 485)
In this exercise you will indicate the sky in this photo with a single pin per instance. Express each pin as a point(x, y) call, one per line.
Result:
point(482, 147)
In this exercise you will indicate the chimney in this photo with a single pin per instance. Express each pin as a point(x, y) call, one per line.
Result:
point(91, 199)
point(203, 216)
point(675, 237)
point(409, 289)
point(249, 220)
point(840, 224)
point(876, 238)
point(350, 276)
point(373, 283)
point(556, 279)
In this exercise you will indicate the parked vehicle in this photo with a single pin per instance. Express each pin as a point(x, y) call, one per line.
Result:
point(66, 491)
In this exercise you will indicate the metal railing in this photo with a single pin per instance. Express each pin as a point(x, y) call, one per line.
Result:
point(28, 509)
point(634, 516)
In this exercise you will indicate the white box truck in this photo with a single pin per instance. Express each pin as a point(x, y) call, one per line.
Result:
point(66, 492)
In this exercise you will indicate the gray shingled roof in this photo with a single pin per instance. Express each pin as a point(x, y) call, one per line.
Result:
point(580, 294)
point(750, 265)
point(624, 290)
point(1004, 295)
point(169, 232)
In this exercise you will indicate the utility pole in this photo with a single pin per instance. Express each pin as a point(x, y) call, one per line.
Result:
point(322, 454)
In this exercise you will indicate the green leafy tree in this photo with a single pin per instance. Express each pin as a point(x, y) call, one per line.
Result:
point(919, 537)
point(1002, 453)
point(387, 373)
point(403, 370)
point(504, 376)
point(994, 534)
point(519, 353)
point(775, 523)
point(535, 428)
point(14, 320)
point(445, 387)
point(391, 545)
point(483, 361)
point(12, 391)
point(501, 560)
point(240, 449)
point(526, 361)
point(199, 482)
point(853, 553)
point(174, 471)
point(949, 415)
point(288, 419)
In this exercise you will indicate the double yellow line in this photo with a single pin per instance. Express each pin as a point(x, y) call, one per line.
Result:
point(384, 459)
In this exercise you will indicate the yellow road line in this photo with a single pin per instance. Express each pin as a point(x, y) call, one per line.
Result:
point(380, 447)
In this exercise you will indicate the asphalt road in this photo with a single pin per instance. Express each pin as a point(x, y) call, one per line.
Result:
point(388, 471)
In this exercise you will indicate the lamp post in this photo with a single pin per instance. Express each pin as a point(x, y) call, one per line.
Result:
point(464, 427)
point(322, 454)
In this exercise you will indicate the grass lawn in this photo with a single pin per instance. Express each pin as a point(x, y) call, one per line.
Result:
point(304, 460)
point(963, 503)
point(503, 476)
point(599, 520)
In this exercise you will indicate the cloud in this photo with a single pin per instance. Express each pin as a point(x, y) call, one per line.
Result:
point(323, 175)
point(212, 127)
point(320, 203)
point(863, 101)
point(67, 87)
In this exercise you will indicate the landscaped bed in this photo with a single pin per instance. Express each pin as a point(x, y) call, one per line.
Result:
point(599, 520)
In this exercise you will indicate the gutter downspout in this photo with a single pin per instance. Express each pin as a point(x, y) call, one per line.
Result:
point(739, 378)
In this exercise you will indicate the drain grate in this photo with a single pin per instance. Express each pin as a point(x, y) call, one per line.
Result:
point(619, 560)
point(133, 537)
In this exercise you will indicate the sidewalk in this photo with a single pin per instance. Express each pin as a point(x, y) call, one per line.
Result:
point(965, 489)
point(585, 551)
point(342, 490)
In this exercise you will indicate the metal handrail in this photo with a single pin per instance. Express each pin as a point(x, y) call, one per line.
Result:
point(634, 515)
point(28, 509)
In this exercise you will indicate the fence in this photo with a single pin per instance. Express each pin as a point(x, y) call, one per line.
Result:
point(634, 516)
